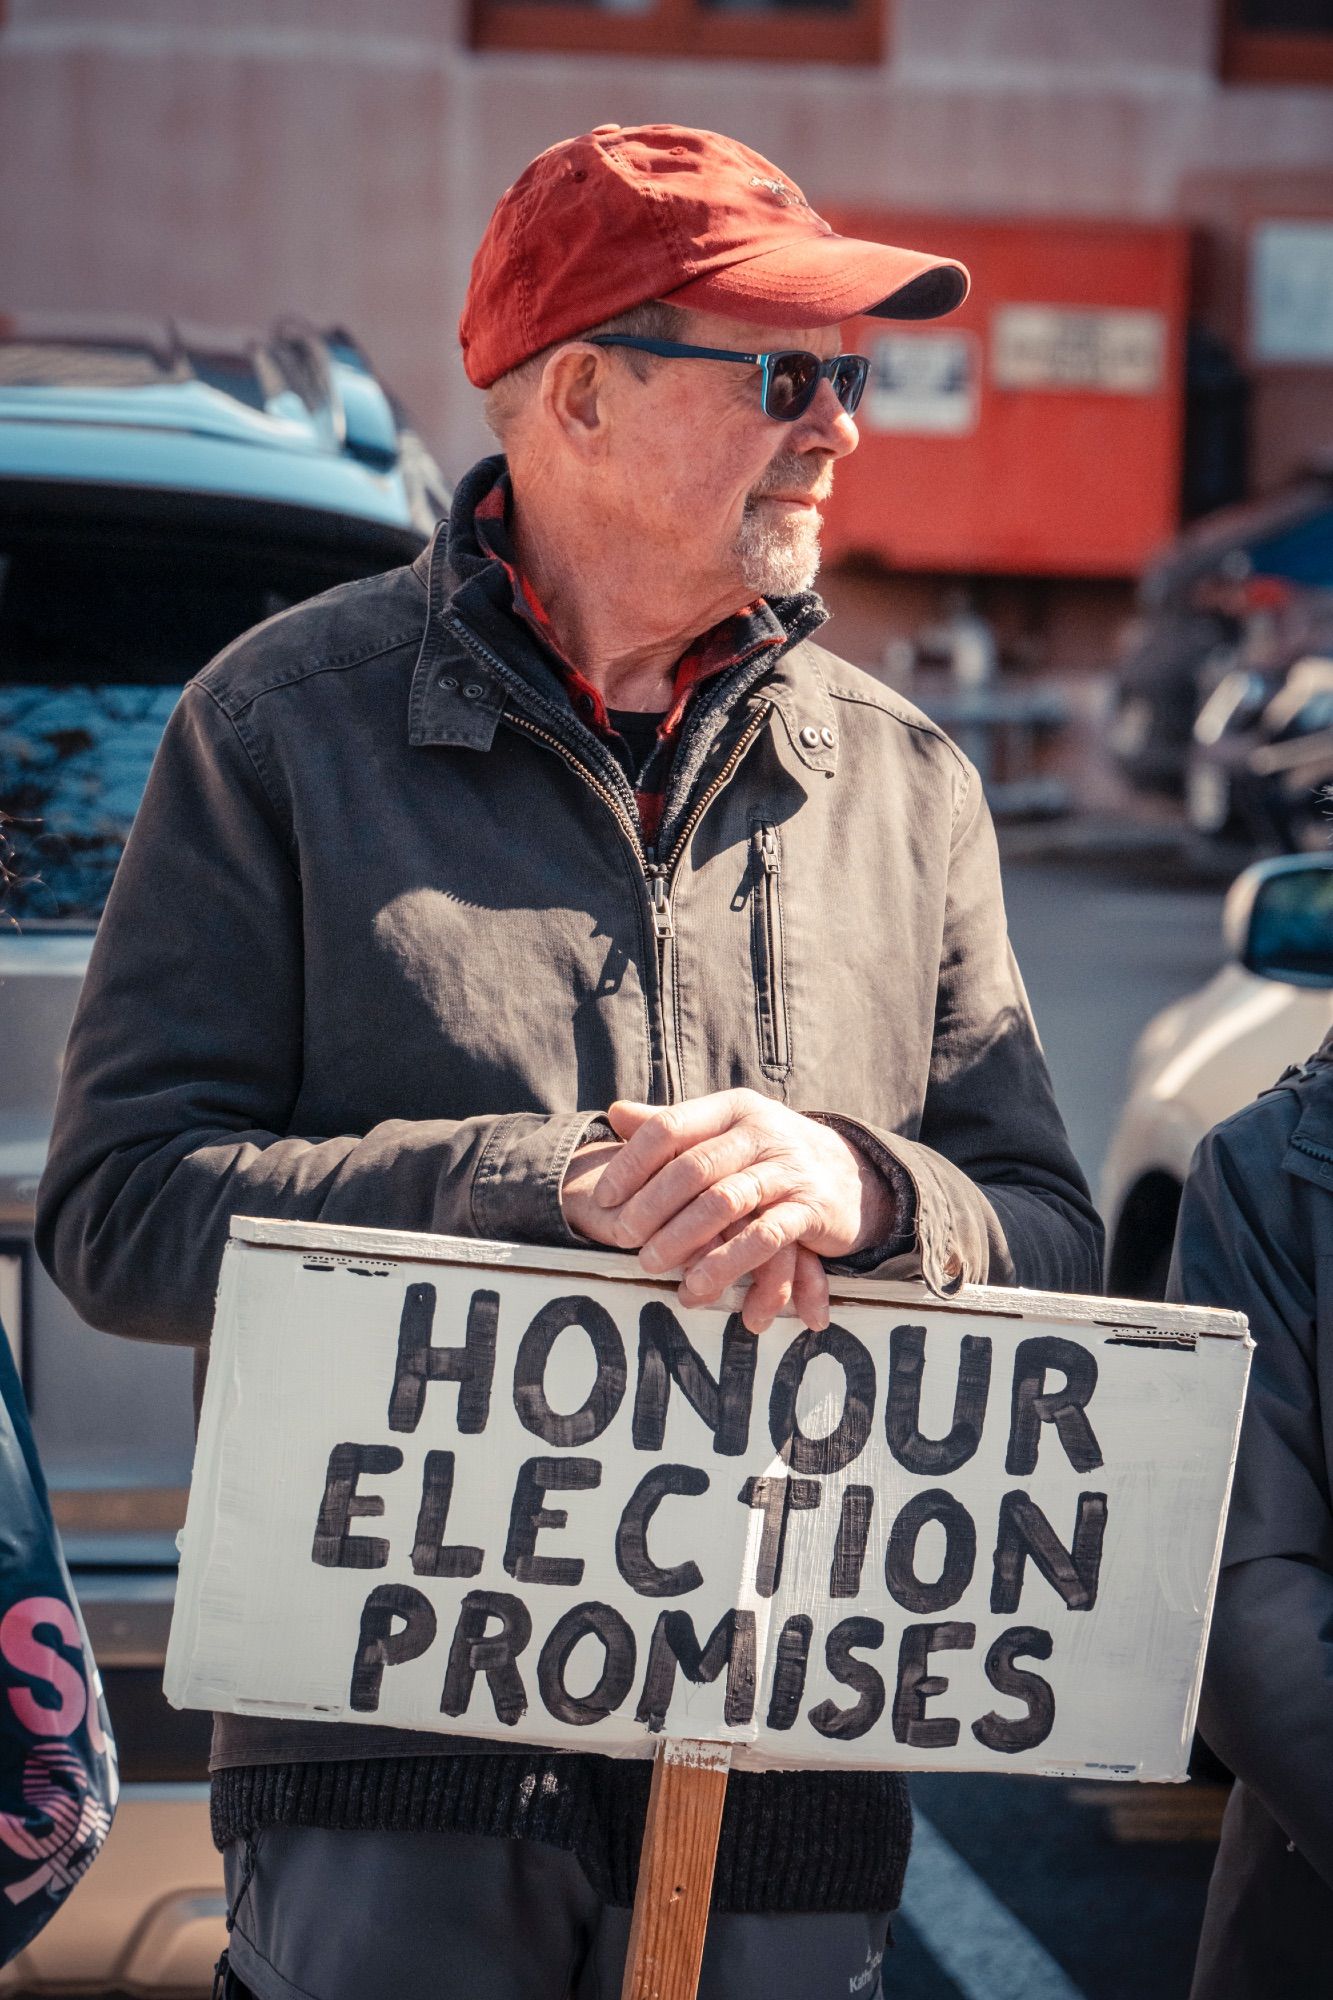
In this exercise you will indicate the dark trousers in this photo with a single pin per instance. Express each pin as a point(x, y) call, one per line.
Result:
point(1268, 1928)
point(443, 1916)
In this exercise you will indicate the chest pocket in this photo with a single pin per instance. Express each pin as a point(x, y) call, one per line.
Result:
point(766, 950)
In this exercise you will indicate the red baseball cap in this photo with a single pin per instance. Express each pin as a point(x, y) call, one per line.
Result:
point(625, 214)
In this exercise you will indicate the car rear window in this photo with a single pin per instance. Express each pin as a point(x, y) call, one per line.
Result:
point(97, 638)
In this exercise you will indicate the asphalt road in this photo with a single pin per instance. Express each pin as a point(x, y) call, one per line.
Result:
point(1025, 1888)
point(1101, 953)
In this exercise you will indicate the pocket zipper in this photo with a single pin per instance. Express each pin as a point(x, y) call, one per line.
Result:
point(774, 1043)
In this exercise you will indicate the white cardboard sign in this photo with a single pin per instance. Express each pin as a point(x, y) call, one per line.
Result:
point(522, 1494)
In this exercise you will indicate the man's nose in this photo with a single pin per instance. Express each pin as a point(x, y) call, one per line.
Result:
point(826, 426)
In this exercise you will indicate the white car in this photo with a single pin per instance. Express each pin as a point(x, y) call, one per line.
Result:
point(1211, 1053)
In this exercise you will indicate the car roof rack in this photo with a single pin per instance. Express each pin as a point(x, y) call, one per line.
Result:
point(335, 379)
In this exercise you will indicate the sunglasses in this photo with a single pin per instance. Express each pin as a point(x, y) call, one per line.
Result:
point(789, 380)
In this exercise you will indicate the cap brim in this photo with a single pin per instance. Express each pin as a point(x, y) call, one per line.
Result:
point(820, 280)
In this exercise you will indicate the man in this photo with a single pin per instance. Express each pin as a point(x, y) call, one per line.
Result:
point(560, 888)
point(1256, 1234)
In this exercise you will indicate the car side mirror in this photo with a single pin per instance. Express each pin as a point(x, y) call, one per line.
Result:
point(1278, 919)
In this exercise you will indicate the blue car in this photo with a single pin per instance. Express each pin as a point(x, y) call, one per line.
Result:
point(161, 490)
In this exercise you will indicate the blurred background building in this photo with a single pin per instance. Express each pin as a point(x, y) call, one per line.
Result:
point(1145, 193)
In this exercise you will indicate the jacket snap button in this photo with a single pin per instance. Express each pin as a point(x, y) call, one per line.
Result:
point(448, 681)
point(826, 737)
point(810, 736)
point(472, 690)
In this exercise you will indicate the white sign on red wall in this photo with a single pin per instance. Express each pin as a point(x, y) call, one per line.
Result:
point(1115, 351)
point(1291, 292)
point(923, 384)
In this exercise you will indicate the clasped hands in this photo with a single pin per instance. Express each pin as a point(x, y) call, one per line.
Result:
point(719, 1186)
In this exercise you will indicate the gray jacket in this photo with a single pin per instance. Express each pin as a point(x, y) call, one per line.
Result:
point(1256, 1234)
point(385, 940)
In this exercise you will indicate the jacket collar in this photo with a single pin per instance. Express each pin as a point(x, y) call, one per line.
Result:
point(466, 673)
point(456, 699)
point(1309, 1153)
point(800, 697)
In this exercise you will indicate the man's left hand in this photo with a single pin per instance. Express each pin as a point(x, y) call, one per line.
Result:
point(727, 1184)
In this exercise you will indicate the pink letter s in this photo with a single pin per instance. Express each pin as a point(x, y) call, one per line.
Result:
point(25, 1652)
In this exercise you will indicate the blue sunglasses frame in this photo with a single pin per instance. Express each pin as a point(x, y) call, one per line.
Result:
point(846, 374)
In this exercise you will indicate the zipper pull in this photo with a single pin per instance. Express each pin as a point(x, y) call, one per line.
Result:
point(659, 896)
point(768, 849)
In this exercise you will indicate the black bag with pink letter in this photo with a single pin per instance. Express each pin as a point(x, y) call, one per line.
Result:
point(57, 1757)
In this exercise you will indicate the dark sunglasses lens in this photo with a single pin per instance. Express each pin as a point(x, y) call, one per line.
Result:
point(792, 381)
point(849, 380)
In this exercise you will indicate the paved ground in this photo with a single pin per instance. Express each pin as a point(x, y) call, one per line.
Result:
point(1104, 942)
point(1018, 1888)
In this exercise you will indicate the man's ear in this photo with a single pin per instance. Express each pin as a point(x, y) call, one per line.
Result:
point(573, 396)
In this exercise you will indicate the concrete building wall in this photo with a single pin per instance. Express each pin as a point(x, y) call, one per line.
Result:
point(229, 159)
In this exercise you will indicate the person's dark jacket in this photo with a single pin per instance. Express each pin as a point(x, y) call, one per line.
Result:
point(385, 941)
point(1256, 1234)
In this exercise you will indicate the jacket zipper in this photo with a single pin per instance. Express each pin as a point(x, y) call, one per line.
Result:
point(658, 875)
point(594, 784)
point(1309, 1147)
point(723, 778)
point(659, 903)
point(774, 1043)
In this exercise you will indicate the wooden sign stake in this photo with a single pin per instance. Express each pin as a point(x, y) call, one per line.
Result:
point(666, 1939)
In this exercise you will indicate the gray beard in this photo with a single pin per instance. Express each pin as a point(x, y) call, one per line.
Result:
point(778, 557)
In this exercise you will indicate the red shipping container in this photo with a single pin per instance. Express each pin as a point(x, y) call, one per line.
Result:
point(1037, 431)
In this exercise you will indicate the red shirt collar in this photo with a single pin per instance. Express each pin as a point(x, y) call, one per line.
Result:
point(712, 653)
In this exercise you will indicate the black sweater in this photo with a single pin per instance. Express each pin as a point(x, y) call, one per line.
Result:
point(790, 1841)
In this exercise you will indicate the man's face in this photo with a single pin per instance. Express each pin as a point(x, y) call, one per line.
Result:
point(729, 494)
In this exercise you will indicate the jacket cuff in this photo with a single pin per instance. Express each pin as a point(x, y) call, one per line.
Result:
point(517, 1181)
point(901, 1186)
point(957, 1239)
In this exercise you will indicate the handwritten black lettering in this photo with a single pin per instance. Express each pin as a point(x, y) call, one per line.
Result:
point(960, 1553)
point(1032, 1405)
point(902, 1413)
point(378, 1646)
point(633, 1561)
point(527, 1517)
point(917, 1685)
point(666, 1356)
point(777, 1498)
point(472, 1365)
point(430, 1557)
point(848, 1436)
point(844, 1725)
point(1009, 1734)
point(474, 1652)
point(1025, 1531)
point(731, 1644)
point(580, 1426)
point(605, 1624)
point(849, 1550)
point(335, 1546)
point(791, 1661)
